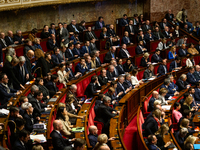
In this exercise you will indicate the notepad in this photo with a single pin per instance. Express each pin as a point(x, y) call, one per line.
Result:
point(41, 137)
point(167, 107)
point(4, 111)
point(78, 129)
point(53, 99)
point(196, 146)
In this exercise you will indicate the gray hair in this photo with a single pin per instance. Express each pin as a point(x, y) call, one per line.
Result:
point(166, 81)
point(73, 86)
point(183, 131)
point(10, 52)
point(183, 76)
point(26, 105)
point(18, 31)
point(127, 75)
point(106, 99)
point(120, 77)
point(34, 88)
point(110, 66)
point(22, 59)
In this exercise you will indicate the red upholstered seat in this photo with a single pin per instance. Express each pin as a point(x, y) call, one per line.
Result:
point(43, 45)
point(138, 60)
point(63, 99)
point(146, 104)
point(155, 69)
point(85, 83)
point(91, 117)
point(101, 56)
point(97, 33)
point(154, 45)
point(131, 50)
point(105, 91)
point(99, 126)
point(60, 85)
point(168, 66)
point(150, 57)
point(26, 94)
point(102, 44)
point(184, 62)
point(140, 75)
point(196, 60)
point(19, 51)
point(80, 90)
point(52, 120)
point(8, 137)
point(170, 123)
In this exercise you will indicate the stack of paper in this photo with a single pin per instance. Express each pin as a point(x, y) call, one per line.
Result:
point(41, 137)
point(4, 111)
point(167, 107)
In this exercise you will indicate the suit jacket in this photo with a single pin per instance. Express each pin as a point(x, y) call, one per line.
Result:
point(191, 79)
point(97, 25)
point(196, 75)
point(172, 65)
point(56, 59)
point(2, 44)
point(197, 94)
point(147, 74)
point(151, 104)
point(102, 80)
point(166, 35)
point(52, 89)
point(39, 107)
point(126, 40)
point(162, 25)
point(143, 63)
point(128, 29)
point(161, 70)
point(71, 75)
point(111, 32)
point(158, 35)
point(121, 88)
point(71, 29)
point(5, 96)
point(110, 43)
point(74, 39)
point(173, 86)
point(138, 50)
point(169, 17)
point(77, 52)
point(197, 47)
point(170, 91)
point(123, 22)
point(122, 54)
point(69, 55)
point(120, 69)
point(89, 36)
point(180, 42)
point(150, 126)
point(9, 40)
point(18, 145)
point(108, 57)
point(92, 89)
point(45, 35)
point(93, 46)
point(19, 74)
point(127, 84)
point(84, 50)
point(181, 84)
point(147, 37)
point(179, 139)
point(144, 28)
point(98, 62)
point(64, 35)
point(18, 39)
point(80, 69)
point(50, 45)
point(27, 48)
point(153, 147)
point(104, 114)
point(92, 139)
point(110, 75)
point(102, 35)
point(51, 32)
point(182, 52)
point(58, 141)
point(29, 122)
point(156, 59)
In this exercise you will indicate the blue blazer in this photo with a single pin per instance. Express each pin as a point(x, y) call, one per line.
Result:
point(172, 65)
point(181, 53)
point(147, 37)
point(93, 138)
point(18, 145)
point(51, 31)
point(122, 22)
point(152, 147)
point(170, 91)
point(162, 27)
point(120, 89)
point(77, 52)
point(50, 87)
point(5, 96)
point(125, 41)
point(197, 95)
point(69, 55)
point(84, 50)
point(155, 59)
point(161, 70)
point(191, 79)
point(151, 102)
point(138, 50)
point(78, 68)
point(122, 54)
point(196, 75)
point(173, 86)
point(170, 55)
point(55, 60)
point(97, 25)
point(75, 40)
point(38, 46)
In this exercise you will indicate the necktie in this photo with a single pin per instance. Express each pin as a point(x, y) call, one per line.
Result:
point(167, 33)
point(184, 52)
point(78, 51)
point(131, 28)
point(75, 28)
point(165, 69)
point(4, 42)
point(63, 56)
point(91, 35)
point(39, 104)
point(97, 60)
point(71, 52)
point(193, 77)
point(116, 73)
point(11, 39)
point(175, 64)
point(128, 39)
point(87, 49)
point(127, 53)
point(52, 31)
point(121, 67)
point(113, 56)
point(101, 24)
point(158, 35)
point(122, 87)
point(57, 59)
point(125, 21)
point(54, 85)
point(70, 72)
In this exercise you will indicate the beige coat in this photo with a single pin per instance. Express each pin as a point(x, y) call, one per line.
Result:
point(193, 51)
point(179, 16)
point(62, 78)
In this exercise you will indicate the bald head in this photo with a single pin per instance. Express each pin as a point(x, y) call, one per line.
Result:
point(10, 33)
point(2, 34)
point(197, 67)
point(57, 125)
point(93, 130)
point(104, 147)
point(155, 94)
point(30, 54)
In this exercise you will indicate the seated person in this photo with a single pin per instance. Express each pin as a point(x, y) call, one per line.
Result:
point(190, 77)
point(172, 53)
point(119, 67)
point(100, 23)
point(75, 38)
point(152, 141)
point(51, 85)
point(152, 100)
point(101, 142)
point(114, 63)
point(93, 87)
point(182, 52)
point(156, 57)
point(72, 75)
point(146, 26)
point(63, 75)
point(176, 113)
point(128, 65)
point(197, 93)
point(110, 55)
point(18, 37)
point(72, 105)
point(89, 63)
point(9, 39)
point(152, 123)
point(85, 50)
point(22, 100)
point(56, 58)
point(49, 62)
point(36, 43)
point(123, 53)
point(93, 45)
point(158, 34)
point(190, 61)
point(130, 28)
point(162, 69)
point(98, 101)
point(104, 33)
point(40, 83)
point(51, 43)
point(77, 50)
point(114, 98)
point(166, 32)
point(171, 43)
point(57, 140)
point(102, 78)
point(149, 36)
point(187, 104)
point(69, 52)
point(78, 144)
point(134, 79)
point(175, 65)
point(185, 124)
point(149, 72)
point(160, 135)
point(123, 21)
point(164, 23)
point(192, 50)
point(28, 46)
point(197, 72)
point(145, 60)
point(162, 44)
point(172, 85)
point(93, 135)
point(34, 88)
point(112, 41)
point(126, 39)
point(180, 136)
point(182, 40)
point(161, 97)
point(140, 49)
point(105, 113)
point(89, 34)
point(81, 67)
point(128, 83)
point(45, 32)
point(110, 73)
point(98, 60)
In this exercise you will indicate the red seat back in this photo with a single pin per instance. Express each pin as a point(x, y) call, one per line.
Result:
point(91, 117)
point(131, 50)
point(140, 74)
point(26, 94)
point(196, 59)
point(184, 62)
point(80, 90)
point(138, 60)
point(168, 66)
point(102, 44)
point(99, 126)
point(153, 46)
point(146, 104)
point(43, 44)
point(19, 51)
point(97, 33)
point(8, 137)
point(155, 69)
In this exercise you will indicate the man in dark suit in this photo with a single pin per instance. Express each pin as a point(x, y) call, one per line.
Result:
point(93, 87)
point(162, 69)
point(51, 43)
point(123, 53)
point(110, 55)
point(197, 93)
point(126, 39)
point(156, 57)
point(120, 67)
point(79, 144)
point(98, 60)
point(146, 26)
point(171, 42)
point(110, 73)
point(56, 58)
point(114, 63)
point(81, 67)
point(21, 72)
point(127, 82)
point(100, 23)
point(123, 21)
point(29, 55)
point(182, 83)
point(85, 50)
point(152, 141)
point(73, 27)
point(72, 75)
point(197, 72)
point(105, 113)
point(190, 77)
point(112, 41)
point(169, 16)
point(149, 36)
point(52, 29)
point(9, 39)
point(77, 50)
point(93, 45)
point(5, 91)
point(69, 54)
point(166, 32)
point(175, 65)
point(1, 56)
point(88, 62)
point(37, 104)
point(198, 47)
point(172, 85)
point(140, 49)
point(182, 52)
point(98, 101)
point(28, 46)
point(57, 140)
point(102, 78)
point(51, 85)
point(164, 23)
point(2, 41)
point(180, 136)
point(111, 31)
point(152, 100)
point(158, 34)
point(93, 135)
point(63, 34)
point(90, 35)
point(130, 28)
point(18, 37)
point(21, 142)
point(149, 72)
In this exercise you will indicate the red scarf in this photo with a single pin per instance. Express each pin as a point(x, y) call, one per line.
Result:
point(157, 120)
